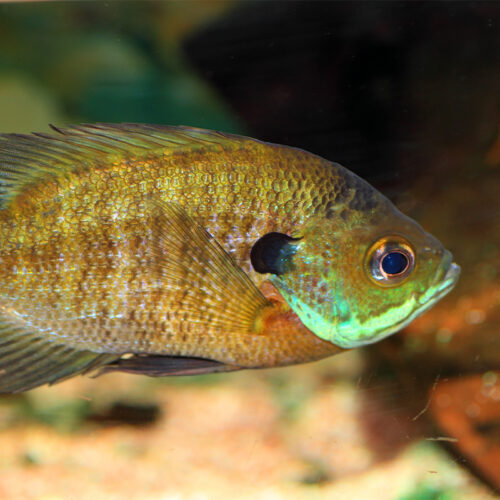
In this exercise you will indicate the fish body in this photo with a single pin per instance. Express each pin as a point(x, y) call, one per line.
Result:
point(136, 247)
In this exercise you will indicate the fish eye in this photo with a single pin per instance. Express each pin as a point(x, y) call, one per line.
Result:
point(390, 261)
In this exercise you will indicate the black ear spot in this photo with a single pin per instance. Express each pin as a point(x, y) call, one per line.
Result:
point(269, 253)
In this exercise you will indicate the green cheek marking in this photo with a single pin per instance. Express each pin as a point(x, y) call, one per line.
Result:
point(350, 333)
point(324, 328)
point(321, 327)
point(376, 327)
point(344, 329)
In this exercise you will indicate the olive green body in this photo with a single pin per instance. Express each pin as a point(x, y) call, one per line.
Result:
point(77, 261)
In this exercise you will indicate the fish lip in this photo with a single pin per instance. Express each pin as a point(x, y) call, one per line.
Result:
point(447, 276)
point(450, 279)
point(452, 274)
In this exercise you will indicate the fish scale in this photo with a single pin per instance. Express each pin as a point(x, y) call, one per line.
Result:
point(67, 232)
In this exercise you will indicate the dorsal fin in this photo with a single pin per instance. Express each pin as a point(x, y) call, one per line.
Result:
point(25, 159)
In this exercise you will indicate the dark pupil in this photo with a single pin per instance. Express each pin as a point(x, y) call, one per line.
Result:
point(394, 263)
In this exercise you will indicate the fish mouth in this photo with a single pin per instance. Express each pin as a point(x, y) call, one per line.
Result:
point(450, 278)
point(446, 279)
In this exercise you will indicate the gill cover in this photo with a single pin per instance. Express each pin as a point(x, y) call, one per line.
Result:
point(354, 289)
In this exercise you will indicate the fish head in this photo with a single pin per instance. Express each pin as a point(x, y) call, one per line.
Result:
point(364, 273)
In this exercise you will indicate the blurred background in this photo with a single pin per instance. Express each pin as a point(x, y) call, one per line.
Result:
point(407, 95)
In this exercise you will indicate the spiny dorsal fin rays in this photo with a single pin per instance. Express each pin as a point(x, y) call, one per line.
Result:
point(27, 159)
point(186, 251)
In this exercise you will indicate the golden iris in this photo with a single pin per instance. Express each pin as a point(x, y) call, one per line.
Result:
point(389, 261)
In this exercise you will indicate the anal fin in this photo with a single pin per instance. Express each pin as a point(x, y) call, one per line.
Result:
point(28, 360)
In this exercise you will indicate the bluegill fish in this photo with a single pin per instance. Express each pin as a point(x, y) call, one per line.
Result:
point(174, 250)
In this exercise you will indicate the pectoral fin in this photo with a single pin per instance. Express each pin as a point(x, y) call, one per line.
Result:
point(212, 290)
